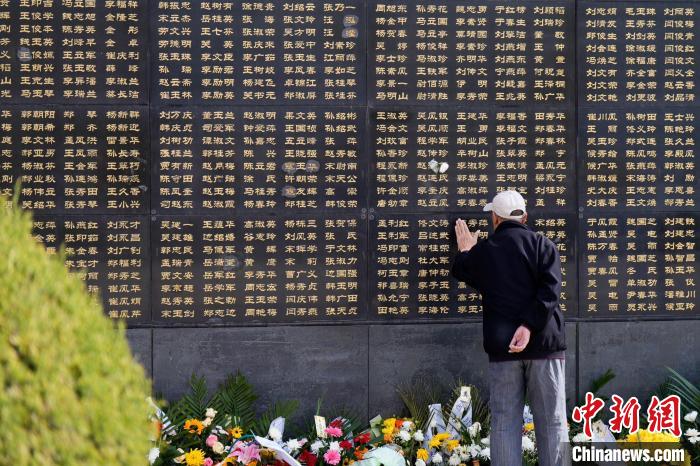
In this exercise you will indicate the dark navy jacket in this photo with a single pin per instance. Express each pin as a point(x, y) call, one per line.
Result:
point(518, 273)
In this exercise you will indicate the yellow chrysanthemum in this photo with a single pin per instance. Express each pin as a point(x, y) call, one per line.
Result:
point(438, 439)
point(644, 436)
point(236, 432)
point(194, 426)
point(422, 454)
point(529, 426)
point(451, 445)
point(194, 457)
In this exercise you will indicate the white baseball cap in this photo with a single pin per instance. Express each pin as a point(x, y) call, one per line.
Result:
point(505, 203)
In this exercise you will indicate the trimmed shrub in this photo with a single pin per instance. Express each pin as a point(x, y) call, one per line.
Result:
point(71, 392)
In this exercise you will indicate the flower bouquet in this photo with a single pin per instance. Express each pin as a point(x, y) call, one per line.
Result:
point(400, 434)
point(476, 449)
point(199, 442)
point(334, 446)
point(198, 430)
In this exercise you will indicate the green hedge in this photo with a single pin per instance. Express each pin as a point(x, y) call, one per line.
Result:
point(71, 392)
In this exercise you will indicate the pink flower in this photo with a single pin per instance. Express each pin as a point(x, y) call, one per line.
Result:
point(332, 457)
point(208, 462)
point(334, 431)
point(211, 440)
point(246, 453)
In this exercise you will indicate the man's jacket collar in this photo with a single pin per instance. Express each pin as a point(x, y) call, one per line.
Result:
point(508, 224)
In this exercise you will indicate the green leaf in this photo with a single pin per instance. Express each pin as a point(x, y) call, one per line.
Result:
point(600, 382)
point(192, 405)
point(688, 392)
point(234, 399)
point(416, 397)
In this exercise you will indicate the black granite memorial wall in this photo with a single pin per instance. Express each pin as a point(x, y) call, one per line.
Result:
point(272, 186)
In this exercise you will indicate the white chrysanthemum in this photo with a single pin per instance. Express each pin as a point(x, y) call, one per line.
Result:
point(293, 445)
point(474, 450)
point(420, 462)
point(691, 416)
point(485, 454)
point(153, 455)
point(454, 460)
point(418, 436)
point(693, 436)
point(316, 446)
point(437, 458)
point(211, 412)
point(474, 429)
point(334, 446)
point(207, 421)
point(528, 444)
point(581, 437)
point(486, 441)
point(461, 451)
point(404, 435)
point(218, 448)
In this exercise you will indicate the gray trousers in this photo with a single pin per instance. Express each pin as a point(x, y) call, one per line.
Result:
point(544, 381)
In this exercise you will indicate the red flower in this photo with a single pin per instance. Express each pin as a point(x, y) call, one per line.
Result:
point(363, 438)
point(345, 445)
point(336, 423)
point(308, 458)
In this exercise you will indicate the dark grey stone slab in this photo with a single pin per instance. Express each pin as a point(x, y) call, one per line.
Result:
point(141, 344)
point(282, 363)
point(638, 353)
point(443, 352)
point(407, 353)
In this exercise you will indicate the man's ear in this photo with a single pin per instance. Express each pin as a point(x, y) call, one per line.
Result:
point(524, 219)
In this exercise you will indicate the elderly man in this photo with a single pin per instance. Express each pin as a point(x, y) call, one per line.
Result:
point(518, 274)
